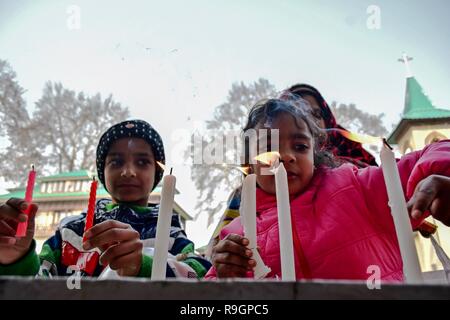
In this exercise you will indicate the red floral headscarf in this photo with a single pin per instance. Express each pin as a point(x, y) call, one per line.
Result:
point(341, 147)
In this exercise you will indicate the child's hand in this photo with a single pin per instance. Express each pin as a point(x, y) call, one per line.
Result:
point(11, 213)
point(231, 258)
point(120, 245)
point(433, 194)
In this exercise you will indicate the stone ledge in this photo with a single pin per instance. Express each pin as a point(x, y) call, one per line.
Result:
point(132, 288)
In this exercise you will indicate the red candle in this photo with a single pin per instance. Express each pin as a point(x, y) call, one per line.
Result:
point(22, 226)
point(91, 207)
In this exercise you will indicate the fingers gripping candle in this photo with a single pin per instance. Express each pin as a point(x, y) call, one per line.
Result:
point(22, 226)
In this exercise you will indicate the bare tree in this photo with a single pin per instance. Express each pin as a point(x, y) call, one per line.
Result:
point(213, 179)
point(18, 149)
point(61, 135)
point(70, 125)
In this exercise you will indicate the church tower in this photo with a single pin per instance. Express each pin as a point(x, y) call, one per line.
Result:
point(421, 124)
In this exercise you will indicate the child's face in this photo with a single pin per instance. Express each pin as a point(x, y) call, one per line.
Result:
point(130, 171)
point(296, 147)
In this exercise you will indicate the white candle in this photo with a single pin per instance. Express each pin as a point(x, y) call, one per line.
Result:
point(248, 214)
point(284, 225)
point(163, 228)
point(397, 202)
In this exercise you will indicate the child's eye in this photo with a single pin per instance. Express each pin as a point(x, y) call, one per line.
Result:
point(143, 162)
point(115, 162)
point(317, 114)
point(301, 147)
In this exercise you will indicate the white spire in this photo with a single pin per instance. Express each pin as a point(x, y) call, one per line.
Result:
point(405, 59)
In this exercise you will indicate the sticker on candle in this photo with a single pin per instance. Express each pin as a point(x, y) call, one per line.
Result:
point(163, 226)
point(248, 212)
point(22, 226)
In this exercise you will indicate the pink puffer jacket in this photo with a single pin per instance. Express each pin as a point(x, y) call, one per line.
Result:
point(342, 221)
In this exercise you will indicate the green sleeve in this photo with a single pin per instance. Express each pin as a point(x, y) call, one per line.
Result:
point(146, 267)
point(28, 265)
point(199, 268)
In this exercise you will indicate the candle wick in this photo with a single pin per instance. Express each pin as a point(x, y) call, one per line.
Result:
point(387, 144)
point(171, 171)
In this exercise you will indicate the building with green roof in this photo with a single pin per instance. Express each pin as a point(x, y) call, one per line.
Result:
point(422, 123)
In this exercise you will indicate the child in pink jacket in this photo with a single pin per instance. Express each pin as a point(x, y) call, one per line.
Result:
point(341, 221)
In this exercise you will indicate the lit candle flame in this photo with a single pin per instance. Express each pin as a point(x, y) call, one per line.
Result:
point(357, 137)
point(161, 165)
point(244, 170)
point(268, 158)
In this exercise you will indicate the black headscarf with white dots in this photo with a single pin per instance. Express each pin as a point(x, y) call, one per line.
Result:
point(125, 129)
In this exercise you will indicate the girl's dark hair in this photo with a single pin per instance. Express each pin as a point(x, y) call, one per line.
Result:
point(267, 110)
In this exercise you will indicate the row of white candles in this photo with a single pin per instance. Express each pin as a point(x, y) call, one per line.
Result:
point(397, 203)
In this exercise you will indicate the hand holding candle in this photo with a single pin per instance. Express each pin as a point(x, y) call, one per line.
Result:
point(397, 202)
point(22, 226)
point(13, 248)
point(163, 228)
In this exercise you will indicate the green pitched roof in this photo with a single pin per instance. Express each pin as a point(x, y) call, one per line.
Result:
point(37, 195)
point(68, 175)
point(418, 107)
